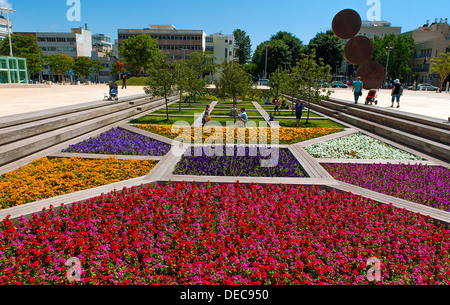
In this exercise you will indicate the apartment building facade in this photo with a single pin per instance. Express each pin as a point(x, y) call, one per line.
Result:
point(76, 43)
point(223, 47)
point(177, 43)
point(430, 41)
point(4, 27)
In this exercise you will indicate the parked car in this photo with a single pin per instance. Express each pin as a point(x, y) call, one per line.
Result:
point(427, 87)
point(263, 82)
point(338, 85)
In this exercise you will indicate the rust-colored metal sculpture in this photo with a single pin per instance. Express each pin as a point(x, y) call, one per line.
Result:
point(346, 24)
point(358, 50)
point(372, 75)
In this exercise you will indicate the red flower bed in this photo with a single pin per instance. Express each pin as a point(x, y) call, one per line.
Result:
point(231, 234)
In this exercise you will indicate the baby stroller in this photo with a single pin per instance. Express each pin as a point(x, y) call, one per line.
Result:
point(372, 97)
point(113, 92)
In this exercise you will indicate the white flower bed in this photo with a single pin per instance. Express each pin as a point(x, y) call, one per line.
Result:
point(358, 146)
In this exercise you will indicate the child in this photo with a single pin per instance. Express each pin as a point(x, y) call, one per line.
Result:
point(271, 117)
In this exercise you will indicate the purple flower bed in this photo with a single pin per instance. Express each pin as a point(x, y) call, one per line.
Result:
point(427, 185)
point(243, 163)
point(120, 142)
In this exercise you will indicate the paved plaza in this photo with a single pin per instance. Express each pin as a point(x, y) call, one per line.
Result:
point(22, 100)
point(436, 105)
point(18, 101)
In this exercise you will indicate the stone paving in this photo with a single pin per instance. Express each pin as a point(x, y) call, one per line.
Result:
point(436, 105)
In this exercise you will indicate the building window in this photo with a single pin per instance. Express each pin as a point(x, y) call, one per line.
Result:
point(209, 39)
point(447, 51)
point(209, 49)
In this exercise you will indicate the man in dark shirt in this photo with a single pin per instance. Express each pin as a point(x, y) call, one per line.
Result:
point(396, 93)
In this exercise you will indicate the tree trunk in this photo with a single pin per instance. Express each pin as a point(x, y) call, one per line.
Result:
point(181, 96)
point(167, 107)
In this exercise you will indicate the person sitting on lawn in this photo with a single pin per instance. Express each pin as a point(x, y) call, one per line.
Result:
point(271, 117)
point(243, 118)
point(267, 101)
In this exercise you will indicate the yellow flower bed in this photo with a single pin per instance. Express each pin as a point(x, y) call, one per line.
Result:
point(47, 178)
point(252, 135)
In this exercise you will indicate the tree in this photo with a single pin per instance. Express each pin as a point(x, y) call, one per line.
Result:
point(294, 45)
point(162, 80)
point(182, 76)
point(242, 41)
point(139, 52)
point(85, 66)
point(97, 67)
point(60, 64)
point(198, 65)
point(399, 56)
point(25, 47)
point(279, 81)
point(278, 55)
point(310, 77)
point(441, 66)
point(328, 47)
point(234, 81)
point(117, 68)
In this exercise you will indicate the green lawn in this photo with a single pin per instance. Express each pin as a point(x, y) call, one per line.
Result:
point(289, 114)
point(162, 120)
point(311, 123)
point(223, 121)
point(176, 111)
point(227, 112)
point(133, 81)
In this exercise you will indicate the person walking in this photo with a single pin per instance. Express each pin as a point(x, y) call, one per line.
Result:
point(357, 89)
point(124, 81)
point(206, 116)
point(277, 106)
point(396, 93)
point(298, 111)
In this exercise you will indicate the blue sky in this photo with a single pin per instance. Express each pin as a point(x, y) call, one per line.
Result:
point(260, 19)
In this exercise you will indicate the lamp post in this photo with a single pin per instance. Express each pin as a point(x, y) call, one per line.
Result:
point(388, 50)
point(184, 53)
point(8, 24)
point(265, 71)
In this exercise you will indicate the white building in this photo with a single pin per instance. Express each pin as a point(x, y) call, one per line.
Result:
point(222, 47)
point(76, 43)
point(4, 27)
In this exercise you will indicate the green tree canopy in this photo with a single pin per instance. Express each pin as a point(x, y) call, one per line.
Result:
point(234, 81)
point(139, 52)
point(198, 66)
point(243, 42)
point(82, 66)
point(278, 55)
point(25, 47)
point(60, 64)
point(309, 77)
point(283, 50)
point(162, 80)
point(441, 66)
point(295, 45)
point(399, 56)
point(328, 47)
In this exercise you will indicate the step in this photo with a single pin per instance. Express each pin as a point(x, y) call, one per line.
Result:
point(426, 131)
point(435, 149)
point(24, 118)
point(19, 149)
point(411, 117)
point(23, 131)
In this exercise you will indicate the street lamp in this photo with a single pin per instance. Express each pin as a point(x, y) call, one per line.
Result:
point(265, 71)
point(184, 53)
point(8, 24)
point(388, 50)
